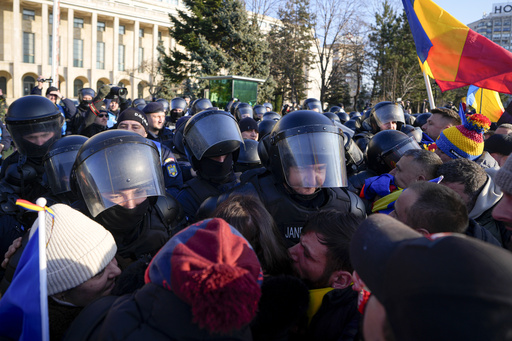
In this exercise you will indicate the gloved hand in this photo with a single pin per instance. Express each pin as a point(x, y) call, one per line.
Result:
point(103, 91)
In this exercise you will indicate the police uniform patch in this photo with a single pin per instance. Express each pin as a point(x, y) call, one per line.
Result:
point(170, 164)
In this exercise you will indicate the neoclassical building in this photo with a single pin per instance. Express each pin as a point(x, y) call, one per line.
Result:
point(101, 42)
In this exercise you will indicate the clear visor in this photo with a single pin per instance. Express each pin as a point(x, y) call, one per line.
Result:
point(58, 171)
point(210, 131)
point(313, 160)
point(26, 136)
point(393, 156)
point(124, 174)
point(316, 106)
point(389, 114)
point(245, 112)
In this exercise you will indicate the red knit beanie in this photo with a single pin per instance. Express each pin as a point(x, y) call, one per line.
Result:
point(210, 266)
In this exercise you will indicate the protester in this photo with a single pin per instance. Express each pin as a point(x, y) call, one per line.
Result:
point(503, 210)
point(499, 146)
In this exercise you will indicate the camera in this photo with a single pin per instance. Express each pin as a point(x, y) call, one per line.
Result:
point(47, 80)
point(117, 91)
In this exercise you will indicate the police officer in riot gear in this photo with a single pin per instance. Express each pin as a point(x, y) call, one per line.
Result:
point(243, 110)
point(58, 162)
point(313, 104)
point(211, 140)
point(383, 116)
point(259, 111)
point(34, 123)
point(118, 175)
point(305, 172)
point(177, 107)
point(199, 105)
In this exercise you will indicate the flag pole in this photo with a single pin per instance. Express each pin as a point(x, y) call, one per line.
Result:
point(481, 99)
point(429, 90)
point(43, 289)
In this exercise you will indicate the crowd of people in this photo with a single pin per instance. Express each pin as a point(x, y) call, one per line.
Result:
point(181, 220)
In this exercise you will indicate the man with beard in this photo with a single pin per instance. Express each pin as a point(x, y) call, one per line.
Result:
point(321, 259)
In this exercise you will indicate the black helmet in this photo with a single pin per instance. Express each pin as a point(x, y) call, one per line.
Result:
point(354, 114)
point(139, 103)
point(421, 119)
point(350, 124)
point(313, 104)
point(248, 157)
point(386, 148)
point(177, 109)
point(332, 116)
point(211, 133)
point(271, 115)
point(265, 127)
point(59, 161)
point(385, 112)
point(165, 104)
point(268, 106)
point(34, 123)
point(86, 92)
point(259, 112)
point(244, 110)
point(232, 109)
point(199, 105)
point(353, 155)
point(415, 132)
point(310, 143)
point(178, 135)
point(409, 119)
point(343, 116)
point(116, 166)
point(335, 109)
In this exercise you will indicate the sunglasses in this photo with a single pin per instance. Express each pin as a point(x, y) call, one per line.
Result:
point(103, 115)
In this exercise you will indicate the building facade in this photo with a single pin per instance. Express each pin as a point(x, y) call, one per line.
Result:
point(496, 25)
point(101, 42)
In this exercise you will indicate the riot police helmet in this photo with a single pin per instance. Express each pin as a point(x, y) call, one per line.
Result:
point(139, 103)
point(199, 105)
point(248, 158)
point(59, 160)
point(244, 110)
point(178, 135)
point(86, 92)
point(313, 104)
point(386, 148)
point(351, 124)
point(272, 115)
point(421, 119)
point(268, 106)
point(335, 109)
point(409, 119)
point(415, 132)
point(259, 112)
point(165, 104)
point(178, 103)
point(354, 114)
point(34, 123)
point(343, 116)
point(306, 151)
point(211, 133)
point(117, 167)
point(265, 127)
point(384, 114)
point(332, 116)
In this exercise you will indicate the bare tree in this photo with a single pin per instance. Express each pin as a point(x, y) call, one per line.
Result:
point(263, 7)
point(153, 79)
point(336, 21)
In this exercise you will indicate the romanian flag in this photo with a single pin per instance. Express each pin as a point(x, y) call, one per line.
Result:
point(453, 54)
point(486, 102)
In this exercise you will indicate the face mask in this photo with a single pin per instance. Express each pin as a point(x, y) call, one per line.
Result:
point(123, 222)
point(216, 171)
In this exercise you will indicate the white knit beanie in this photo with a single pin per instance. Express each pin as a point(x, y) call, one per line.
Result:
point(77, 249)
point(504, 176)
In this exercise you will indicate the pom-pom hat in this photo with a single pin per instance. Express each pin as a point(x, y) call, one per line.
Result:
point(212, 268)
point(465, 140)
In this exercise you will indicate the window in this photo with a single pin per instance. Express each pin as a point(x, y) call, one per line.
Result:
point(3, 85)
point(121, 58)
point(28, 47)
point(101, 26)
point(141, 58)
point(506, 23)
point(77, 85)
point(100, 55)
point(497, 23)
point(78, 22)
point(29, 14)
point(50, 19)
point(28, 83)
point(78, 53)
point(122, 29)
point(497, 29)
point(159, 36)
point(141, 33)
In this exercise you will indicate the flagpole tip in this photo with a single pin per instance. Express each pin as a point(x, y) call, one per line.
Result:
point(41, 202)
